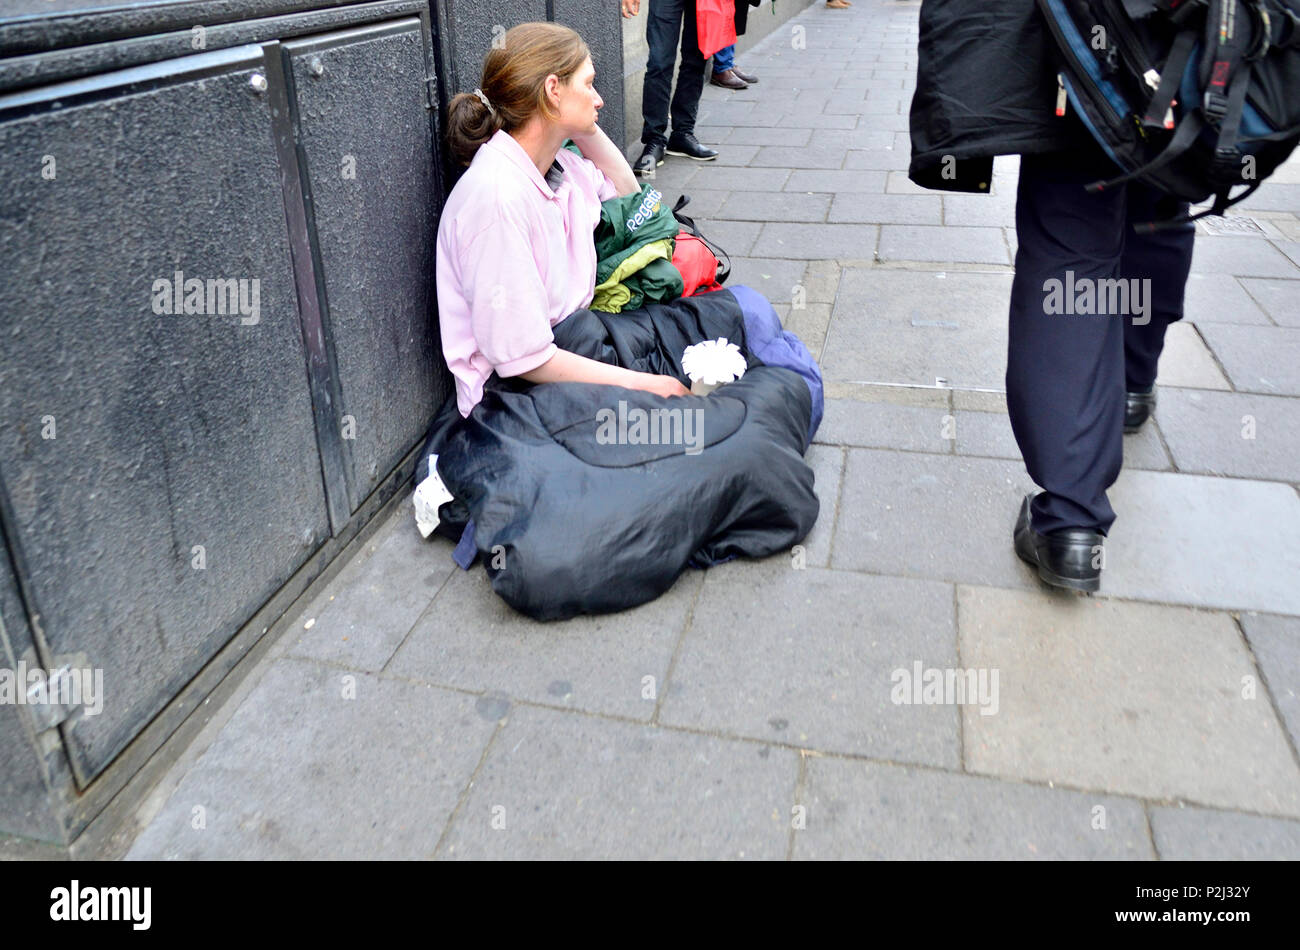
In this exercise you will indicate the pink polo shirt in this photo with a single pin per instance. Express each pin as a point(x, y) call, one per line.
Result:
point(514, 259)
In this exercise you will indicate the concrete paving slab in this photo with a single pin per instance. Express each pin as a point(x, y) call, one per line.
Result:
point(989, 434)
point(1126, 698)
point(899, 184)
point(824, 180)
point(1202, 834)
point(1238, 434)
point(887, 426)
point(732, 154)
point(473, 640)
point(815, 651)
point(1241, 257)
point(865, 208)
point(704, 203)
point(941, 516)
point(860, 138)
point(1210, 542)
point(800, 119)
point(1279, 298)
point(557, 786)
point(718, 177)
point(1276, 642)
point(938, 324)
point(1258, 359)
point(869, 811)
point(374, 608)
point(877, 158)
point(810, 323)
point(827, 463)
point(736, 237)
point(1220, 298)
point(748, 135)
point(774, 206)
point(1186, 361)
point(773, 277)
point(813, 155)
point(296, 768)
point(1273, 195)
point(817, 241)
point(943, 245)
point(990, 211)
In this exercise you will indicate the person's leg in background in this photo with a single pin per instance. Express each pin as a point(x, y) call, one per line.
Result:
point(724, 69)
point(1165, 259)
point(663, 25)
point(724, 59)
point(686, 97)
point(1065, 371)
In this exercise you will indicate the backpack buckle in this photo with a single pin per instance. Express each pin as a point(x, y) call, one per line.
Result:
point(1226, 165)
point(1215, 106)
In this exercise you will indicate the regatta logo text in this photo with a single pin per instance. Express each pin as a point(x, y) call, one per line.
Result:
point(1088, 297)
point(646, 210)
point(636, 426)
point(103, 903)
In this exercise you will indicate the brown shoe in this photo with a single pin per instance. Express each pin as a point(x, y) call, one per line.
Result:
point(728, 80)
point(744, 77)
point(838, 4)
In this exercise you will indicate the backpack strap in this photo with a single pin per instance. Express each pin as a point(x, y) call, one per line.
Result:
point(1191, 126)
point(1172, 74)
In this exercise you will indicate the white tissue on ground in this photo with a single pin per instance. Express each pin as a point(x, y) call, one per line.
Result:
point(429, 496)
point(711, 364)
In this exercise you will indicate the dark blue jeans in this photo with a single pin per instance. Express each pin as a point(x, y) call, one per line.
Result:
point(669, 21)
point(1068, 364)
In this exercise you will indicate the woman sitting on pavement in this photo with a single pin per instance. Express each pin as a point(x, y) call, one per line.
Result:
point(516, 253)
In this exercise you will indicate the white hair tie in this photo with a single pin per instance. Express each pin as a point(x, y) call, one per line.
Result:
point(479, 93)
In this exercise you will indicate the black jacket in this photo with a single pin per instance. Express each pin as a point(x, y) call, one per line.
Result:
point(985, 86)
point(742, 14)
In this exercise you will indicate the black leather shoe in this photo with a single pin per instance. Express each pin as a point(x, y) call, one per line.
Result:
point(744, 77)
point(651, 158)
point(1138, 408)
point(687, 145)
point(1064, 558)
point(728, 79)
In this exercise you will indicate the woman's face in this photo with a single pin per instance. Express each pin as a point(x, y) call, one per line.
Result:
point(579, 101)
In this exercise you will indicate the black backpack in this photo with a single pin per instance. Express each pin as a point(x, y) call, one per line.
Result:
point(1193, 97)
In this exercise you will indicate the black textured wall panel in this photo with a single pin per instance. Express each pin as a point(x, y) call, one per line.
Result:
point(471, 27)
point(601, 25)
point(170, 431)
point(366, 140)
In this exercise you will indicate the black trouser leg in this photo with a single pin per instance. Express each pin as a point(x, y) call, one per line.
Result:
point(663, 26)
point(1164, 259)
point(1065, 371)
point(690, 77)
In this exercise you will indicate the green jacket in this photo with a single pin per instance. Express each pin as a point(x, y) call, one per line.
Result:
point(627, 225)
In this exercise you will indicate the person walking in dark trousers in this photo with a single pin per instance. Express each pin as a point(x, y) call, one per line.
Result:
point(670, 22)
point(1091, 298)
point(1076, 381)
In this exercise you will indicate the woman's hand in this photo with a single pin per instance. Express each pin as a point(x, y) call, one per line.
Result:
point(631, 8)
point(663, 385)
point(605, 155)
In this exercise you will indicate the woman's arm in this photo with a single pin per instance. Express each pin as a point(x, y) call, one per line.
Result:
point(604, 154)
point(566, 367)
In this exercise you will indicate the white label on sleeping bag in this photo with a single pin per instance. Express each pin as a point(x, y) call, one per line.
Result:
point(430, 495)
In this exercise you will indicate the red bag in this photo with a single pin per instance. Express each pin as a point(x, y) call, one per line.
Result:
point(697, 264)
point(716, 23)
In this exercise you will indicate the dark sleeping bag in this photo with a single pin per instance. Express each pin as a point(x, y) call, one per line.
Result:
point(586, 498)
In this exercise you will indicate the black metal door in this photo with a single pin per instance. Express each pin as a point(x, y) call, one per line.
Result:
point(158, 469)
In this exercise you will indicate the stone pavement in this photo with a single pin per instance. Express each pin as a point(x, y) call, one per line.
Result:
point(751, 711)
